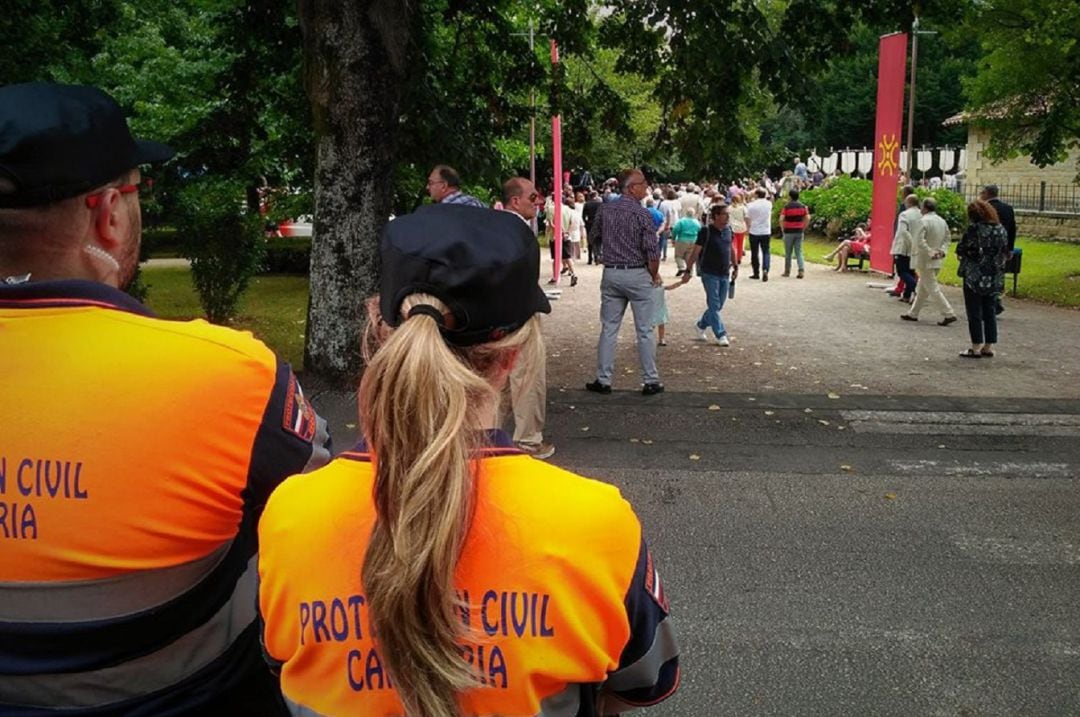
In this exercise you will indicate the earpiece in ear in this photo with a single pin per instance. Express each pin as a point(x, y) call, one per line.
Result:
point(102, 255)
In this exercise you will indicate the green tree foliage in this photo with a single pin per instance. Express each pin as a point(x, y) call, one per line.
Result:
point(840, 104)
point(744, 84)
point(50, 40)
point(1026, 90)
point(611, 119)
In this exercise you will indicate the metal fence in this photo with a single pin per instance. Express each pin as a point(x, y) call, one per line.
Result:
point(1041, 197)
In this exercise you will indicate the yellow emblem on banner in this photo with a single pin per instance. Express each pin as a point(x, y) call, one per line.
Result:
point(888, 148)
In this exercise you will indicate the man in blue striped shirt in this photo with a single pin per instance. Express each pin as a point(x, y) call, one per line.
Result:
point(630, 253)
point(444, 187)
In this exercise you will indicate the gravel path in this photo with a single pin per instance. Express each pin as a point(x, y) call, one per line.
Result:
point(827, 333)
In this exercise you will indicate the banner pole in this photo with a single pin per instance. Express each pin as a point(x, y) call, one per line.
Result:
point(556, 154)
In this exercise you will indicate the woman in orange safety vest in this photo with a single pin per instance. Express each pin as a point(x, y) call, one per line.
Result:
point(435, 570)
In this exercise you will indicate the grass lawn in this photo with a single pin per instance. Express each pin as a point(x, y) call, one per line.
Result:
point(1050, 271)
point(274, 307)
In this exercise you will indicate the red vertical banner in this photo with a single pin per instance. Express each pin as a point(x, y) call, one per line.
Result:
point(892, 66)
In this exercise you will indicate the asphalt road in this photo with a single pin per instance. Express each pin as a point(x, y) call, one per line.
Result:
point(850, 520)
point(858, 556)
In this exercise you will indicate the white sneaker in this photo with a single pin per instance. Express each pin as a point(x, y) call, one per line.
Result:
point(723, 341)
point(701, 335)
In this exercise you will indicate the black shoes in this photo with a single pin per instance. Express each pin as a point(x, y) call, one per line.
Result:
point(764, 276)
point(573, 280)
point(597, 387)
point(909, 317)
point(649, 389)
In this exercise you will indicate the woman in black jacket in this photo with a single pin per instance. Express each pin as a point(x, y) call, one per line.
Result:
point(982, 251)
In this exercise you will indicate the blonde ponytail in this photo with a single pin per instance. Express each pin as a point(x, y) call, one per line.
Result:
point(422, 404)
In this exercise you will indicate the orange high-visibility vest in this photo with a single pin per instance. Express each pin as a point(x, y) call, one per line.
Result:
point(135, 457)
point(559, 595)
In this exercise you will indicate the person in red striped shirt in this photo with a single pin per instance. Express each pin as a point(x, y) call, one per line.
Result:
point(794, 219)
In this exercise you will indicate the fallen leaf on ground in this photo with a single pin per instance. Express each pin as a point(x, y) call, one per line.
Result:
point(695, 457)
point(770, 413)
point(714, 407)
point(751, 399)
point(833, 396)
point(350, 425)
point(822, 421)
point(647, 442)
point(584, 428)
point(846, 467)
point(635, 440)
point(890, 496)
point(808, 410)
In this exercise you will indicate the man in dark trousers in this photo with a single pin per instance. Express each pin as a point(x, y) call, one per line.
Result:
point(588, 215)
point(1007, 217)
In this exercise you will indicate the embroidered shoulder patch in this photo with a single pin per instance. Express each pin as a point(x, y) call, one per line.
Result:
point(299, 418)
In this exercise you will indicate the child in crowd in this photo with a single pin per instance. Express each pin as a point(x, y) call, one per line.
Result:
point(660, 312)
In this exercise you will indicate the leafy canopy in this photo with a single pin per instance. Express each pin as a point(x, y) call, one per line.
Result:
point(1027, 90)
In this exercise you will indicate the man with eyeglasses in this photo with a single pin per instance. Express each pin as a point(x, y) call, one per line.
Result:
point(444, 187)
point(136, 453)
point(630, 254)
point(528, 394)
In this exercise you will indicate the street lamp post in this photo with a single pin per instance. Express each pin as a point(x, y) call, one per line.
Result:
point(915, 32)
point(532, 117)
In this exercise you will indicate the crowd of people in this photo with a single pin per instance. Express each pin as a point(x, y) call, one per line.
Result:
point(182, 541)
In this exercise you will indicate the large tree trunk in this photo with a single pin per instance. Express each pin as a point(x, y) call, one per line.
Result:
point(356, 60)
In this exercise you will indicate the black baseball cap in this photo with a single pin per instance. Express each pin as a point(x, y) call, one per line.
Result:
point(58, 141)
point(483, 264)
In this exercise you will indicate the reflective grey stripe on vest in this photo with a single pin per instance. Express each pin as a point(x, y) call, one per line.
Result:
point(146, 674)
point(298, 710)
point(104, 598)
point(645, 671)
point(564, 704)
point(320, 454)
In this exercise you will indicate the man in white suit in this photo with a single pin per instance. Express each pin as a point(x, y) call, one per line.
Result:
point(908, 225)
point(929, 247)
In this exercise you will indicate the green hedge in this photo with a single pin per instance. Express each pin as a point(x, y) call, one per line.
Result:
point(838, 208)
point(160, 241)
point(285, 255)
point(225, 245)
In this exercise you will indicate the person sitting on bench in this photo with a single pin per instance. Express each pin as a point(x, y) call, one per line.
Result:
point(858, 245)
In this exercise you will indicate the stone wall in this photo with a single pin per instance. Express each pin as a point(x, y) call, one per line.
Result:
point(1018, 170)
point(1048, 225)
